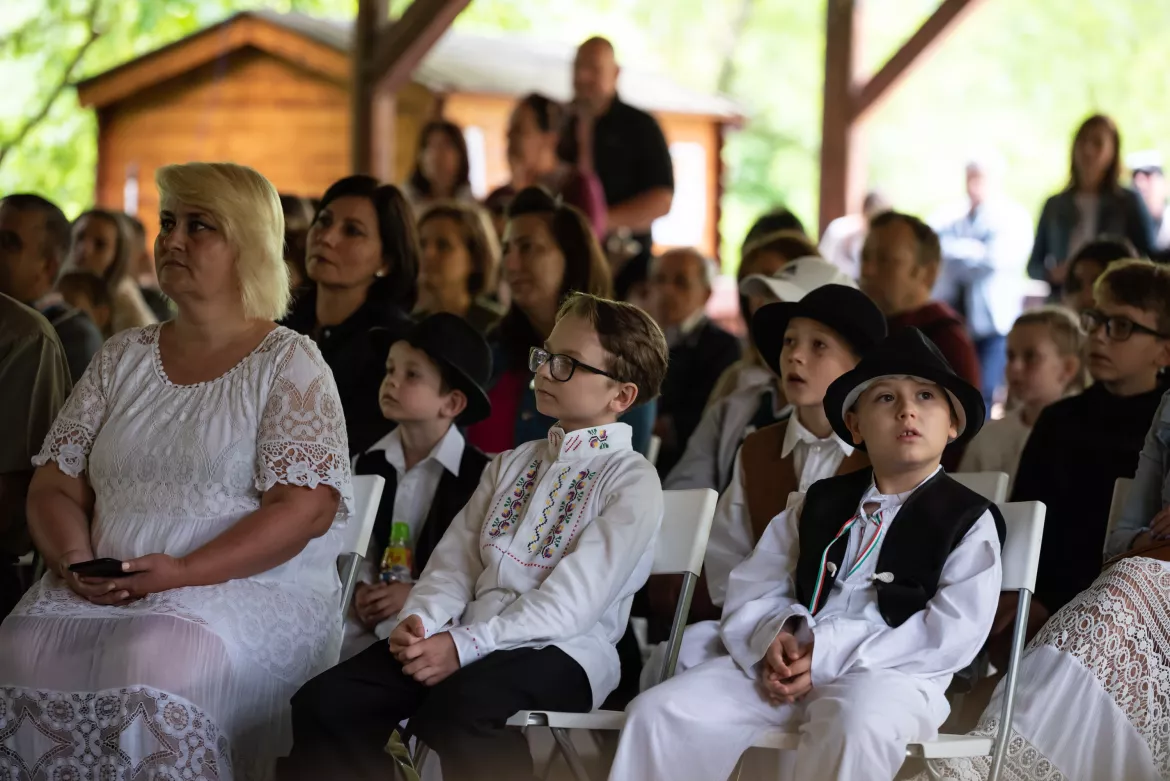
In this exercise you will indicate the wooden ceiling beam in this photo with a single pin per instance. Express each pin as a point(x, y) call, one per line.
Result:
point(402, 44)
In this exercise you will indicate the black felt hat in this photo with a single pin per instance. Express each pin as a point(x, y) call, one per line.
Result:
point(459, 350)
point(845, 309)
point(907, 353)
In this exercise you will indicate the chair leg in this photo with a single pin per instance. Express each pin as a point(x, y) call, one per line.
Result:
point(569, 752)
point(1019, 638)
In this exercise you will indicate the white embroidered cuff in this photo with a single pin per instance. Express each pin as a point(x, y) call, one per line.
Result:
point(469, 644)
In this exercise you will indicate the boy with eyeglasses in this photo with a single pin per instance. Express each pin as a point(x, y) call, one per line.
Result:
point(1082, 444)
point(525, 596)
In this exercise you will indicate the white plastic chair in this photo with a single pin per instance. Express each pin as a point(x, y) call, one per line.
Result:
point(367, 493)
point(990, 485)
point(1120, 495)
point(1021, 559)
point(653, 449)
point(680, 548)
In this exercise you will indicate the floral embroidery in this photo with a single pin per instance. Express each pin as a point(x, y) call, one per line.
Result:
point(597, 439)
point(556, 536)
point(548, 504)
point(519, 497)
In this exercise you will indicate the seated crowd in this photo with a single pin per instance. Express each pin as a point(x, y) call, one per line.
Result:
point(183, 425)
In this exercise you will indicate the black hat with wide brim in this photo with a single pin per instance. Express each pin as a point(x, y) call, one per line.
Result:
point(845, 309)
point(906, 353)
point(457, 348)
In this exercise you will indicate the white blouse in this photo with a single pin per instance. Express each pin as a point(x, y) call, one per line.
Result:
point(849, 631)
point(549, 550)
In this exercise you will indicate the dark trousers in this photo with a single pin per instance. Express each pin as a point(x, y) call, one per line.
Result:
point(343, 717)
point(992, 352)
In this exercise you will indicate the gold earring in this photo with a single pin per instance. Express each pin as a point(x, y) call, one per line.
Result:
point(380, 273)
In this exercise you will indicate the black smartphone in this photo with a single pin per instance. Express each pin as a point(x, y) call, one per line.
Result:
point(99, 568)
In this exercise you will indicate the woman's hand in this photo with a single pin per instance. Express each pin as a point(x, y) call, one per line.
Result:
point(375, 603)
point(1160, 525)
point(99, 591)
point(152, 574)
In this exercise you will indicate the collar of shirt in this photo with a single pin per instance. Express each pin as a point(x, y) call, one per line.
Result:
point(676, 334)
point(887, 502)
point(588, 442)
point(448, 452)
point(796, 433)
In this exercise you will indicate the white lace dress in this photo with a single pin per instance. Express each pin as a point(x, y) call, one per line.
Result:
point(192, 683)
point(1094, 696)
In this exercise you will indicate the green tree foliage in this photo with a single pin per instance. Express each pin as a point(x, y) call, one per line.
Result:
point(1015, 76)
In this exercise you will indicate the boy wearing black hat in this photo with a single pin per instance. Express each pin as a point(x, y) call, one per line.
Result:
point(808, 342)
point(435, 375)
point(857, 606)
point(528, 591)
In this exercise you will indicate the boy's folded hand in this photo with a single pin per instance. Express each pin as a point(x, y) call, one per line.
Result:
point(408, 632)
point(431, 660)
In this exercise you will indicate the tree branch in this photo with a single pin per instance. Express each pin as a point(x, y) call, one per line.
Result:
point(59, 87)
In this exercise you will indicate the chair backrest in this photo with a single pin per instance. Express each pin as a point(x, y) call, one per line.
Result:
point(1021, 549)
point(654, 448)
point(686, 523)
point(992, 486)
point(367, 493)
point(1120, 495)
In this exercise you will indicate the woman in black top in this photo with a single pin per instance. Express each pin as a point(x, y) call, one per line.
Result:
point(362, 258)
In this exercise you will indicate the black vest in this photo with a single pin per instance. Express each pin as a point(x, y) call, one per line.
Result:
point(930, 525)
point(451, 495)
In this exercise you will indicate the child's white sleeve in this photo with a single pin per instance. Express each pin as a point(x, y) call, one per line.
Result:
point(587, 580)
point(448, 582)
point(939, 640)
point(731, 539)
point(761, 592)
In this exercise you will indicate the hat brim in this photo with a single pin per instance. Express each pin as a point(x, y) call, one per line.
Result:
point(966, 400)
point(479, 406)
point(771, 321)
point(767, 287)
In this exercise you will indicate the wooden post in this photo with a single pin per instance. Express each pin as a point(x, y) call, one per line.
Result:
point(841, 150)
point(850, 99)
point(371, 17)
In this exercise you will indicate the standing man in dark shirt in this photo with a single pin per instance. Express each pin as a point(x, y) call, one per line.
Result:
point(630, 156)
point(34, 240)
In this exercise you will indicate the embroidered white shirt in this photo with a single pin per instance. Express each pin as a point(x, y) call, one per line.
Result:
point(849, 631)
point(732, 539)
point(549, 551)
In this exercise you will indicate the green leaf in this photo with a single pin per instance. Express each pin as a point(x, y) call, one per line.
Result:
point(400, 753)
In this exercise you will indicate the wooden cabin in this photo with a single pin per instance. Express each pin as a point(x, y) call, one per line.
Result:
point(271, 91)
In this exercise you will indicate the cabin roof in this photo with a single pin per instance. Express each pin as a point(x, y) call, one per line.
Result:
point(460, 62)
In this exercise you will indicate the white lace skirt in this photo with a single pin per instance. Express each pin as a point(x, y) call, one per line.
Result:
point(189, 684)
point(1094, 693)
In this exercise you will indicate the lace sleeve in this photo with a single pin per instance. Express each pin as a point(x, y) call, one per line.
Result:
point(302, 438)
point(79, 421)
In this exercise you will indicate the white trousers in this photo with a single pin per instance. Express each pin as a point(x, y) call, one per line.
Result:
point(695, 726)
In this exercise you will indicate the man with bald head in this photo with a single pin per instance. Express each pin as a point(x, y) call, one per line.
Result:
point(630, 157)
point(699, 350)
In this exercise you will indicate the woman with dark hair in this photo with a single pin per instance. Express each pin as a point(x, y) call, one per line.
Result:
point(459, 266)
point(298, 216)
point(442, 168)
point(1094, 202)
point(102, 244)
point(549, 252)
point(534, 131)
point(362, 261)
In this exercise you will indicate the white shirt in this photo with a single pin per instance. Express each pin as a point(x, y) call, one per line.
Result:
point(732, 538)
point(549, 551)
point(412, 503)
point(997, 447)
point(849, 631)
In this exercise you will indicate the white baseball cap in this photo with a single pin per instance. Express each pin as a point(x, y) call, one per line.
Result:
point(795, 280)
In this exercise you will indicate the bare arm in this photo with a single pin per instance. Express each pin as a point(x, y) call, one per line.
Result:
point(639, 212)
point(59, 509)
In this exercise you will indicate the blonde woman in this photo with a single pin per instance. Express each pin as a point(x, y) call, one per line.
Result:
point(207, 456)
point(101, 244)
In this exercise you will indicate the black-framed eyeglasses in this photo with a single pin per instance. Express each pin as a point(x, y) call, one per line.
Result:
point(1117, 328)
point(561, 367)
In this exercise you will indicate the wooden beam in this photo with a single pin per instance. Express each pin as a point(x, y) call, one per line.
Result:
point(842, 166)
point(372, 15)
point(933, 31)
point(401, 46)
